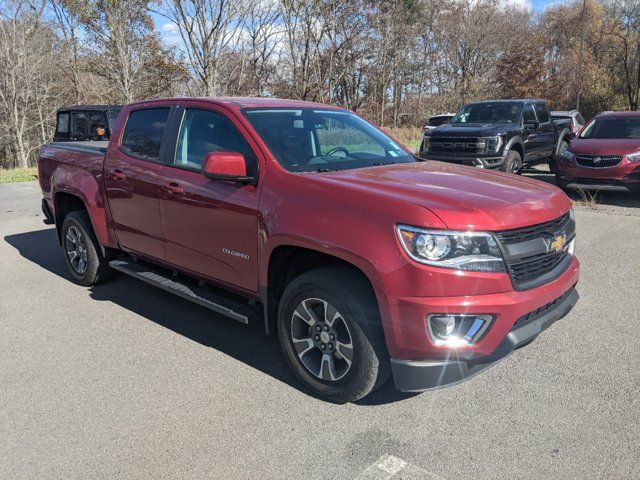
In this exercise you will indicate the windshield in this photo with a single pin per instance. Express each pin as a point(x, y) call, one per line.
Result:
point(308, 140)
point(613, 127)
point(498, 112)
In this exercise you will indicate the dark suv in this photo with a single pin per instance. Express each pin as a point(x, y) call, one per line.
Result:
point(500, 134)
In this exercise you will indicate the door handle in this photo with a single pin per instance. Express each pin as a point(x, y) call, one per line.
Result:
point(173, 188)
point(117, 174)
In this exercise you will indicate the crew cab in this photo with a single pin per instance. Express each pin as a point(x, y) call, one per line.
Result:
point(498, 134)
point(365, 260)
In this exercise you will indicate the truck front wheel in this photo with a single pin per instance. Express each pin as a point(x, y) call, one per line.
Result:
point(82, 250)
point(512, 163)
point(330, 332)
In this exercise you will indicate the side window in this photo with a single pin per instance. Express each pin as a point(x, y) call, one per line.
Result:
point(543, 112)
point(79, 124)
point(528, 115)
point(204, 131)
point(63, 123)
point(142, 135)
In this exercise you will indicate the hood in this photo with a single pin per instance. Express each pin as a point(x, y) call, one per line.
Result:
point(473, 129)
point(464, 198)
point(600, 146)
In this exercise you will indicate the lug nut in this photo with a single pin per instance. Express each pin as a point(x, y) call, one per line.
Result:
point(318, 327)
point(326, 328)
point(317, 337)
point(322, 346)
point(331, 346)
point(332, 336)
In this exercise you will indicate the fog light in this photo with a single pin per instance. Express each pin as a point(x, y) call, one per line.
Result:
point(457, 330)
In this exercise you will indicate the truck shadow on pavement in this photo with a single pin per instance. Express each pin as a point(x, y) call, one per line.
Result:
point(248, 344)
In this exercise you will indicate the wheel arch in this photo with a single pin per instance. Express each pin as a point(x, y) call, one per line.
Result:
point(287, 262)
point(516, 144)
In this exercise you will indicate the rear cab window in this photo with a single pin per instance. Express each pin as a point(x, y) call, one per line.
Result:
point(542, 112)
point(142, 137)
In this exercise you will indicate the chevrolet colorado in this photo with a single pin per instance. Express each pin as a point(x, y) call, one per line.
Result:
point(365, 260)
point(499, 134)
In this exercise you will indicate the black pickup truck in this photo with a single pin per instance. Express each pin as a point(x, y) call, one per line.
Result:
point(500, 134)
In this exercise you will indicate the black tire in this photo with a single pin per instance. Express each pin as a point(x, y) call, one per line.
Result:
point(512, 163)
point(561, 183)
point(96, 269)
point(352, 298)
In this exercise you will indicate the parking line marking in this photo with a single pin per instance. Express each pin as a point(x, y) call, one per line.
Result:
point(388, 467)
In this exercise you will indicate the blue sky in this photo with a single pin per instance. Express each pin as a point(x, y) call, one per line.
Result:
point(163, 26)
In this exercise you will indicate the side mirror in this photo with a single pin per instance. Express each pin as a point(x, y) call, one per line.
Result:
point(571, 136)
point(532, 125)
point(226, 166)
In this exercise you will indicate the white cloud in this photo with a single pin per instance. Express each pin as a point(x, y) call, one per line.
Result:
point(523, 4)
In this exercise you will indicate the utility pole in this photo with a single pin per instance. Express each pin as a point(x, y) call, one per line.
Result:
point(584, 5)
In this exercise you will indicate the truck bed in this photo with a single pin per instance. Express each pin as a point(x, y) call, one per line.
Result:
point(83, 146)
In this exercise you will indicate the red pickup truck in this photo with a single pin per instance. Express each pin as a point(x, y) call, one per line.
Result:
point(365, 260)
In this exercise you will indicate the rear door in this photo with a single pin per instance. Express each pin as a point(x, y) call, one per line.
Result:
point(210, 227)
point(546, 130)
point(532, 143)
point(132, 173)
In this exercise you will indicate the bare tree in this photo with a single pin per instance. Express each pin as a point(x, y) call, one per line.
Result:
point(27, 79)
point(207, 29)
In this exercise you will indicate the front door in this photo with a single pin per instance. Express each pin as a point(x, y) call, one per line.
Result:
point(210, 227)
point(132, 176)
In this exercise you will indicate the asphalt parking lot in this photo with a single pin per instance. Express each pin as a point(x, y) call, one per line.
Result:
point(125, 381)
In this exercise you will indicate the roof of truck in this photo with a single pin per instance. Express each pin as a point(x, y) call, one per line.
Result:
point(246, 102)
point(91, 107)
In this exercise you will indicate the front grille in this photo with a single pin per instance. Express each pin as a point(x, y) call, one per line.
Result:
point(536, 266)
point(530, 255)
point(598, 161)
point(518, 235)
point(456, 144)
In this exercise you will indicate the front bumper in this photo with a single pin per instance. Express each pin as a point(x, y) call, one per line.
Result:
point(420, 375)
point(470, 161)
point(625, 176)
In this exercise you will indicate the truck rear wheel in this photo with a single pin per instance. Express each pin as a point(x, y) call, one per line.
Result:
point(82, 250)
point(330, 331)
point(513, 163)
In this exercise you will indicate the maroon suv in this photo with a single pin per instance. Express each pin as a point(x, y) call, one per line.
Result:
point(606, 154)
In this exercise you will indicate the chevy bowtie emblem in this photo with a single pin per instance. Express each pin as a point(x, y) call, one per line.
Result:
point(557, 244)
point(597, 160)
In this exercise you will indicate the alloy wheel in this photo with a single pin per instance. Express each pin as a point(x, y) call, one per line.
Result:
point(321, 339)
point(76, 249)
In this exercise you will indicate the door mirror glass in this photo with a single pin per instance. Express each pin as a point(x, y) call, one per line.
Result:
point(229, 166)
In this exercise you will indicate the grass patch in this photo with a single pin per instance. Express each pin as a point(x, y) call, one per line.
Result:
point(18, 175)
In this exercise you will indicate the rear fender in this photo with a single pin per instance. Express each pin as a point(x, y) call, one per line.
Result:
point(80, 183)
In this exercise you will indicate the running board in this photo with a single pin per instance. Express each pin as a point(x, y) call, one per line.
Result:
point(197, 294)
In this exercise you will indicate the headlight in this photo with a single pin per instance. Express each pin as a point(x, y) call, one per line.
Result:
point(567, 154)
point(460, 250)
point(494, 144)
point(634, 157)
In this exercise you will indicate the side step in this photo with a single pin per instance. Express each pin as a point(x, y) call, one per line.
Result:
point(198, 294)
